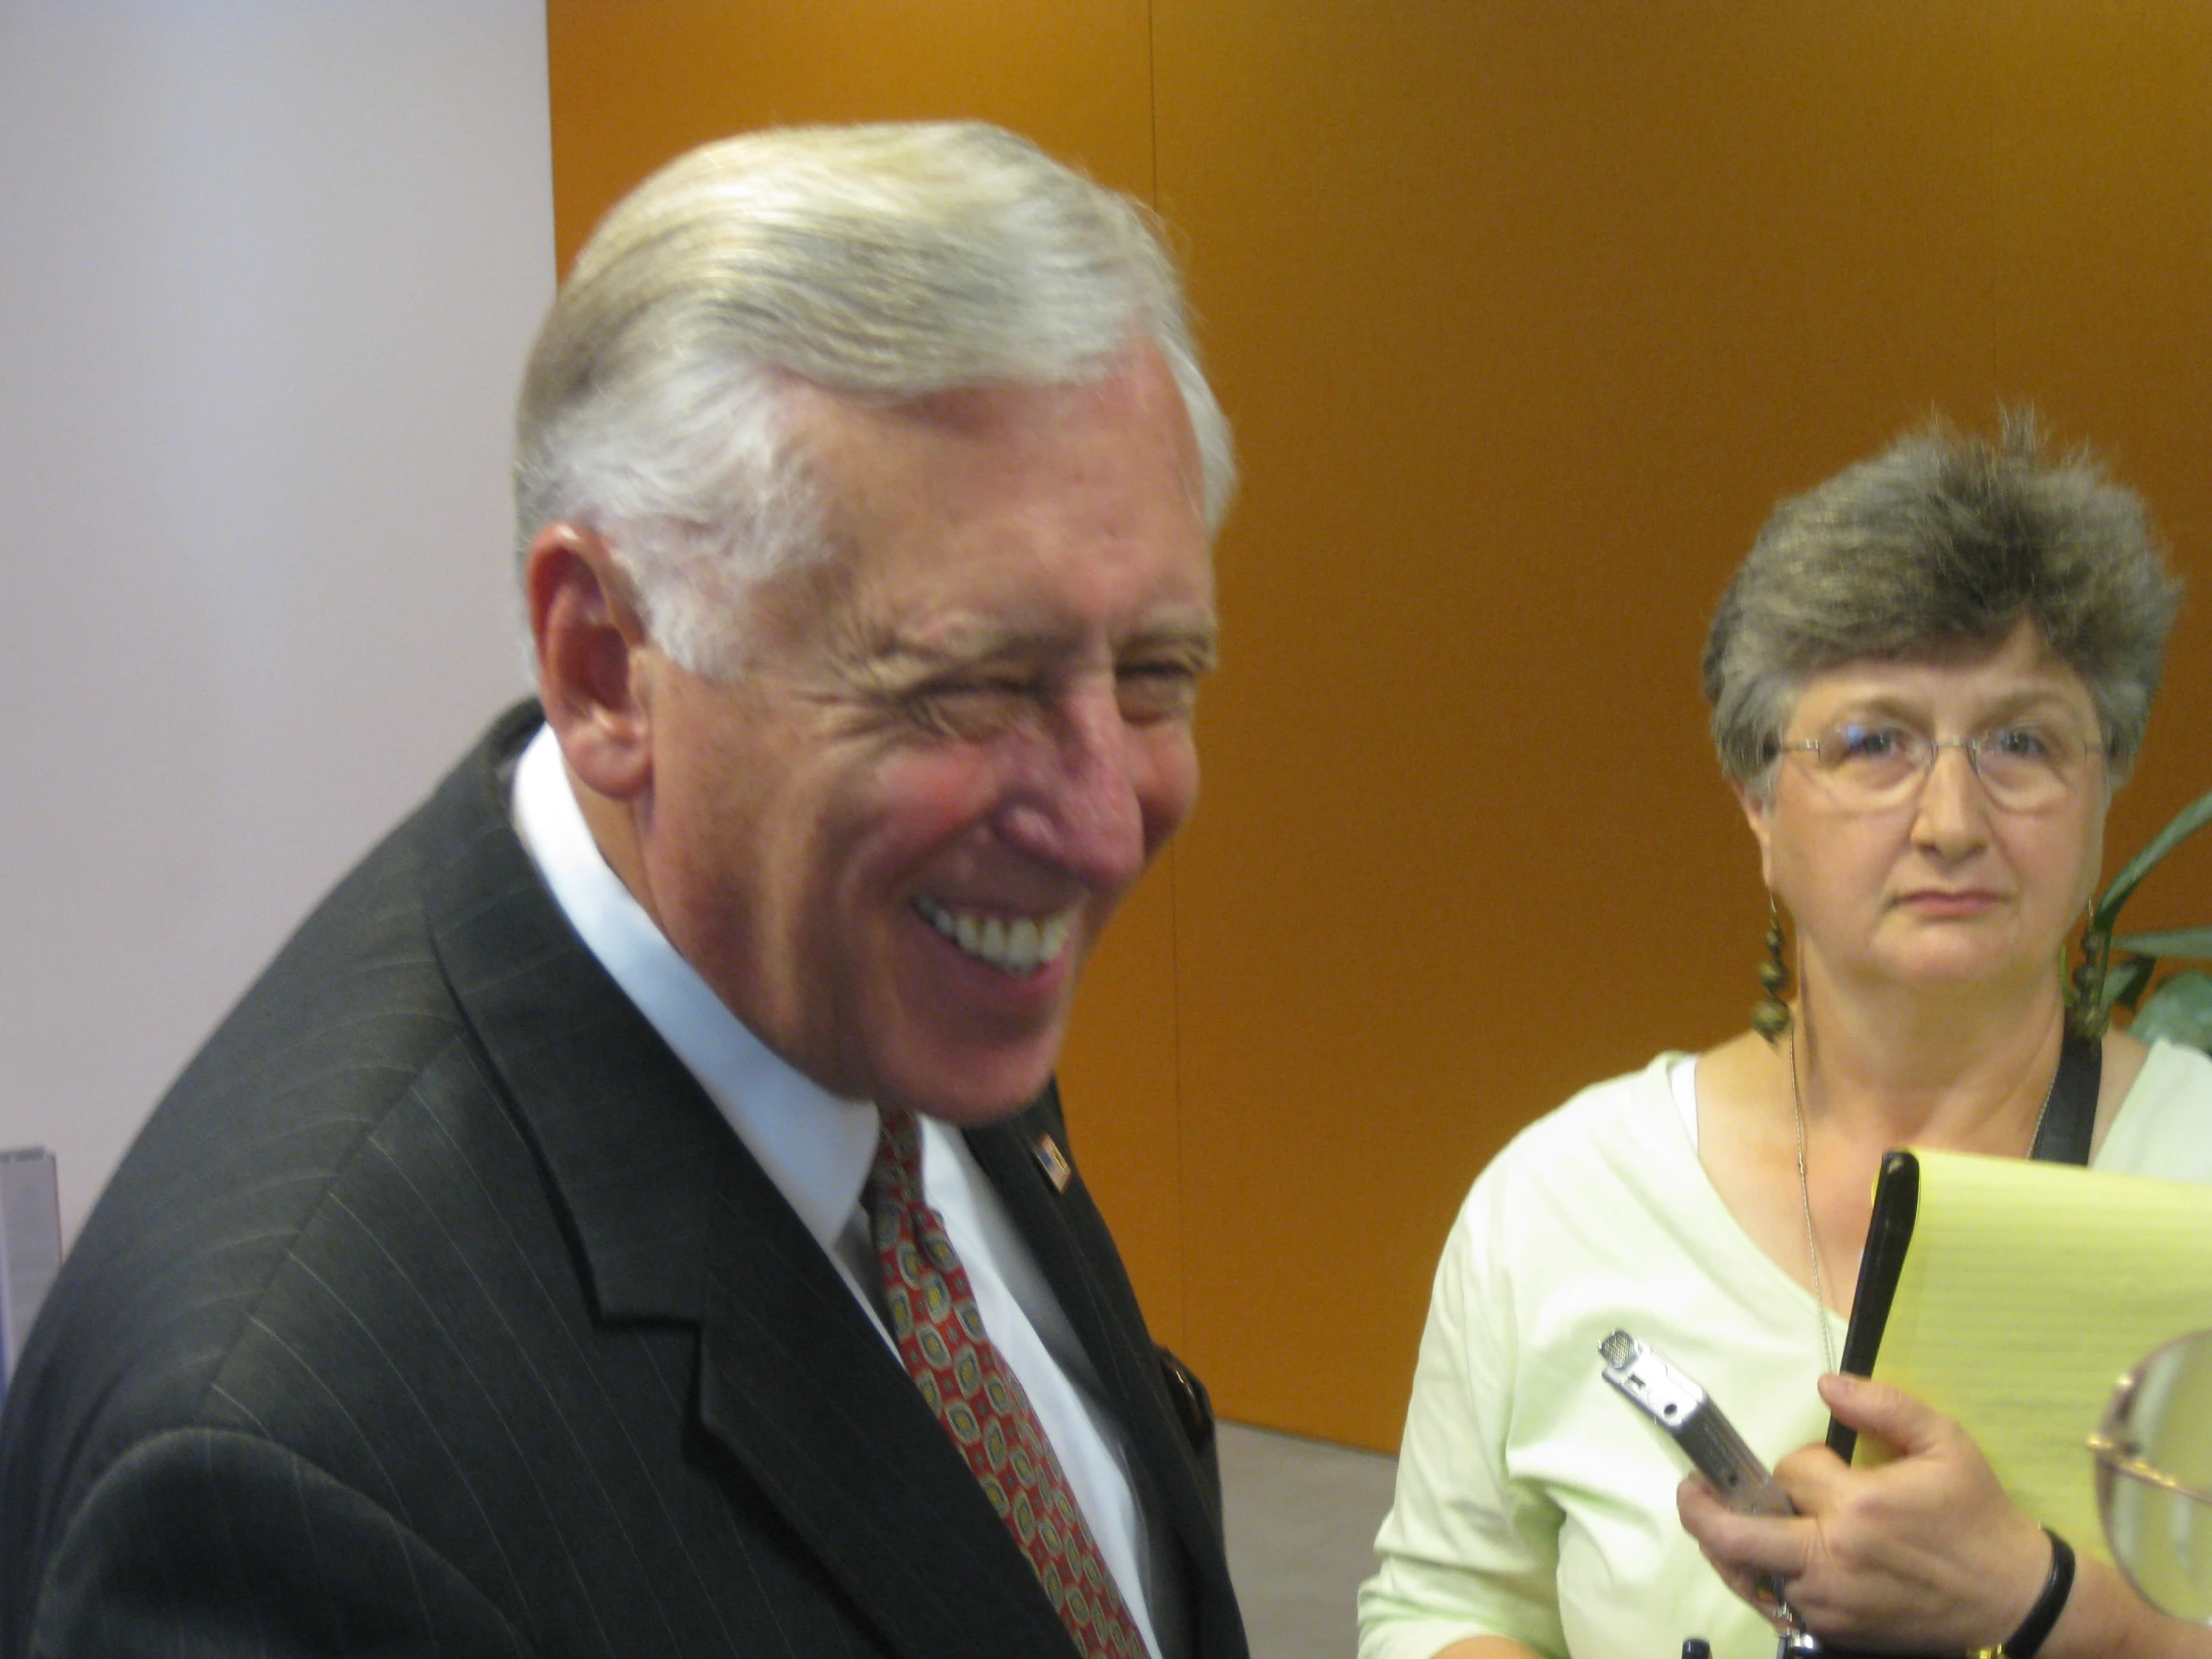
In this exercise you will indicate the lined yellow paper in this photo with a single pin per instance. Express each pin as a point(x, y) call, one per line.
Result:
point(2027, 1291)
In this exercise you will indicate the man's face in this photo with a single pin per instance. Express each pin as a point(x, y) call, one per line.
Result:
point(889, 844)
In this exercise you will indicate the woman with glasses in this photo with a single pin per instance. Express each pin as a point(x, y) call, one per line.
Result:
point(1927, 679)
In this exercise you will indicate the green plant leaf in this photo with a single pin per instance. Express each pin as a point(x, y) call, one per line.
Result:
point(2180, 1011)
point(2187, 822)
point(2125, 981)
point(2182, 941)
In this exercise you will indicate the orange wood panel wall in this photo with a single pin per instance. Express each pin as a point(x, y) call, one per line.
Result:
point(1525, 311)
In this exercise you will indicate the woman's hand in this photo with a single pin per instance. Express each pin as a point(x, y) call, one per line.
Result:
point(1925, 1553)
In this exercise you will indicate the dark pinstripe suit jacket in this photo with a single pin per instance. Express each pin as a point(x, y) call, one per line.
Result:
point(436, 1311)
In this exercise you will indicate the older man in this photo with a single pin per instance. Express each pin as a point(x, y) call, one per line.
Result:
point(632, 1215)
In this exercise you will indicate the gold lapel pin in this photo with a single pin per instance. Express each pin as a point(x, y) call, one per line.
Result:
point(1054, 1163)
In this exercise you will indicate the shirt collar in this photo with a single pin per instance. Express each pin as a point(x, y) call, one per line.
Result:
point(816, 1146)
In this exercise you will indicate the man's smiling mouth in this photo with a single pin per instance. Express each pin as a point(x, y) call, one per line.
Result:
point(1018, 946)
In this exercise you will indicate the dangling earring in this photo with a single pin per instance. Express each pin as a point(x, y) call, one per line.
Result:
point(1770, 1016)
point(2086, 1014)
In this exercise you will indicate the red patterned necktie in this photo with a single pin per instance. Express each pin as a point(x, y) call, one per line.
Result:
point(980, 1401)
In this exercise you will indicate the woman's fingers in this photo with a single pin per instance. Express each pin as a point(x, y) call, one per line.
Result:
point(1891, 1415)
point(1755, 1556)
point(1742, 1548)
point(1926, 1549)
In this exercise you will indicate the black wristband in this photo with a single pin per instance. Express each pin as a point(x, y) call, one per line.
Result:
point(2028, 1641)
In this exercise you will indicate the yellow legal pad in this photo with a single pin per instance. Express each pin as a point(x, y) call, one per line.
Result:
point(2019, 1294)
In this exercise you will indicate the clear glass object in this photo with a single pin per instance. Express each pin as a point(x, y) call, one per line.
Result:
point(2153, 1457)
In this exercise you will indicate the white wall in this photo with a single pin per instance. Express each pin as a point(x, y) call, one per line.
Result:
point(268, 273)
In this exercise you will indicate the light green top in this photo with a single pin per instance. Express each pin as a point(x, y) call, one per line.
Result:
point(1532, 1501)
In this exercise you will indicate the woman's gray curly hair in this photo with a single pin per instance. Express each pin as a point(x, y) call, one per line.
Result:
point(1938, 542)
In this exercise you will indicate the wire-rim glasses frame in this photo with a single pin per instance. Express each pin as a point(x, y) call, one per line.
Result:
point(1872, 763)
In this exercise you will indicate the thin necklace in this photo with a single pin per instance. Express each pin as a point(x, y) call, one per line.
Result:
point(1805, 1204)
point(1805, 1193)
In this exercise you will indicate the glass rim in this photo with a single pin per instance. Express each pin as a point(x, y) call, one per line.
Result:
point(2117, 1456)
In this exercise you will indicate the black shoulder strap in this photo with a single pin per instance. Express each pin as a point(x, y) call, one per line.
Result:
point(2071, 1116)
point(2063, 1138)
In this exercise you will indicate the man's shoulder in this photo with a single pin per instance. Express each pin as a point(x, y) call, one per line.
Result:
point(296, 1125)
point(343, 1020)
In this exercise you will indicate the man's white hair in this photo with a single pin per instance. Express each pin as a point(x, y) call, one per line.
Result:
point(883, 263)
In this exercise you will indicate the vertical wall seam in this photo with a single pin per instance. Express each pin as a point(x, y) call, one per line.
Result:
point(1177, 1096)
point(1152, 95)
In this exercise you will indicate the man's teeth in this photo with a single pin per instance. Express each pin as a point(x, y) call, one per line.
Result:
point(1020, 945)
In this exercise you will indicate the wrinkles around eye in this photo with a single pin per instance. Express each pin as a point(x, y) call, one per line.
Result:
point(1145, 695)
point(974, 708)
point(1156, 691)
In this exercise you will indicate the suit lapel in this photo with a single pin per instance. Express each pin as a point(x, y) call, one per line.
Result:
point(671, 1219)
point(1075, 1251)
point(626, 1136)
point(798, 1385)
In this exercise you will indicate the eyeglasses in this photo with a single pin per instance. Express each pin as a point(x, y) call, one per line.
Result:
point(2154, 1477)
point(1872, 763)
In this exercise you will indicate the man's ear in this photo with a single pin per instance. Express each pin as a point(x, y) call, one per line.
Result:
point(591, 645)
point(1758, 810)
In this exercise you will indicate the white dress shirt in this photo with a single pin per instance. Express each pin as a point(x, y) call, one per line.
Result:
point(816, 1148)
